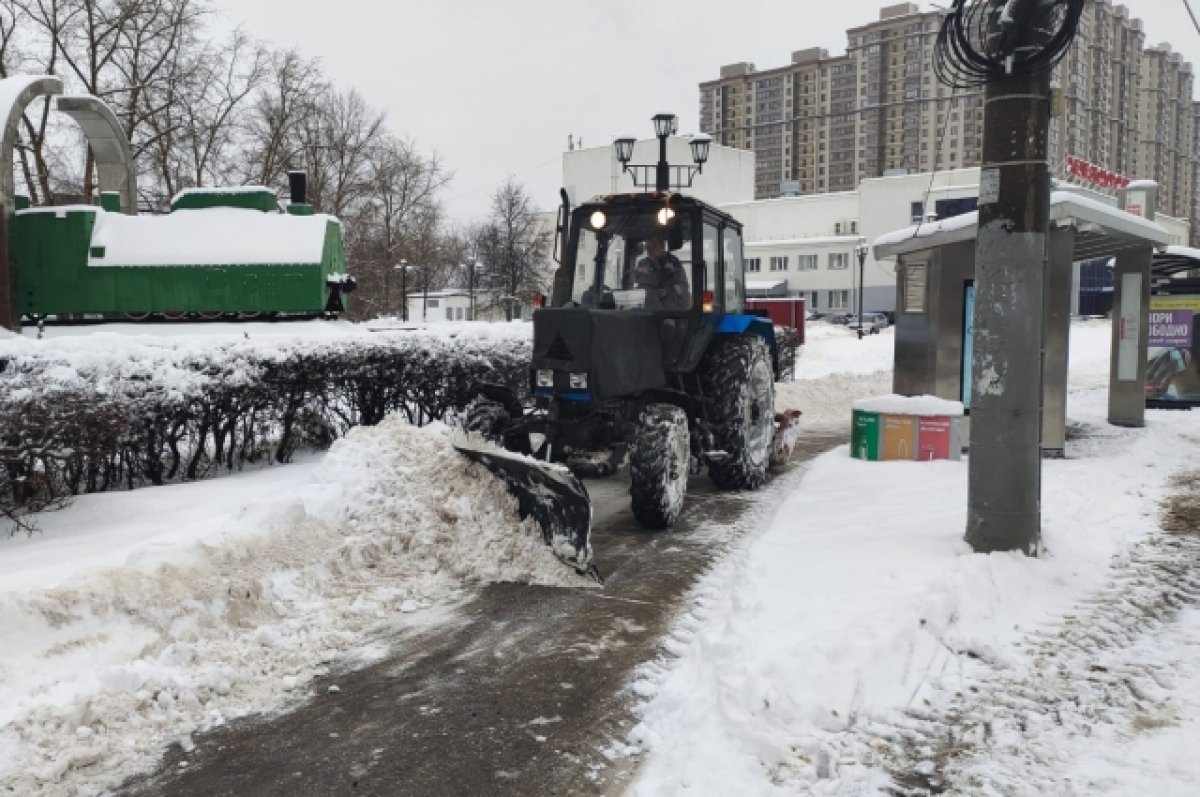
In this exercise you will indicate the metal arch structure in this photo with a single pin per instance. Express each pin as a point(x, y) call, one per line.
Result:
point(105, 137)
point(16, 93)
point(110, 147)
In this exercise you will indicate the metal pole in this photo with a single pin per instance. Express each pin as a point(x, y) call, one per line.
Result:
point(663, 172)
point(471, 287)
point(387, 291)
point(404, 292)
point(425, 294)
point(1005, 464)
point(862, 262)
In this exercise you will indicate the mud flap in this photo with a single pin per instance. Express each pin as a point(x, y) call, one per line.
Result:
point(549, 494)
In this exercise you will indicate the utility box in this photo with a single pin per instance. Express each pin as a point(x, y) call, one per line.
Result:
point(906, 428)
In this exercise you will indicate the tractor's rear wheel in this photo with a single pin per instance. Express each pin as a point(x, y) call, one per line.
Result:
point(658, 466)
point(492, 421)
point(739, 383)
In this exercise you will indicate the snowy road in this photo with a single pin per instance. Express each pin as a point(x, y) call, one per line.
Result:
point(523, 690)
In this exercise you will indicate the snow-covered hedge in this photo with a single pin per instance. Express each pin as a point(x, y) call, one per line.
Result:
point(76, 419)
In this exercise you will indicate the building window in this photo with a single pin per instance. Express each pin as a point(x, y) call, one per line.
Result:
point(839, 300)
point(449, 313)
point(806, 262)
point(458, 314)
point(917, 212)
point(432, 302)
point(779, 263)
point(754, 264)
point(839, 260)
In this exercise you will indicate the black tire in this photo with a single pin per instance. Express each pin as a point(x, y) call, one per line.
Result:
point(658, 466)
point(489, 419)
point(739, 384)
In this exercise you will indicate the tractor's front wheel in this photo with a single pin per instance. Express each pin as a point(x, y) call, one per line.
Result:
point(739, 383)
point(658, 466)
point(491, 420)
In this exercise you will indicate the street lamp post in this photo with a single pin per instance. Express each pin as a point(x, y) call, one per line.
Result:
point(471, 266)
point(403, 290)
point(664, 125)
point(387, 291)
point(861, 251)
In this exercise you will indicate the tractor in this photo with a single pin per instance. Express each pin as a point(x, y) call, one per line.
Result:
point(666, 373)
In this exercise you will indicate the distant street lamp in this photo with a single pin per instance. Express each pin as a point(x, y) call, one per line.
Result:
point(861, 251)
point(471, 265)
point(403, 267)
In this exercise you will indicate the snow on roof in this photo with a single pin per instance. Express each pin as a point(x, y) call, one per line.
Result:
point(1141, 185)
point(210, 236)
point(764, 285)
point(1063, 203)
point(910, 405)
point(1182, 251)
point(930, 228)
point(232, 189)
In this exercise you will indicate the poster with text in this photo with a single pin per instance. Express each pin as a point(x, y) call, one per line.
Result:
point(1172, 374)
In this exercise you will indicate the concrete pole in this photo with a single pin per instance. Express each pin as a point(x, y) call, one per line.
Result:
point(1131, 316)
point(1005, 476)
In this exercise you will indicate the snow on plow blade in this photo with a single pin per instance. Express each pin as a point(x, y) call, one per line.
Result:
point(549, 494)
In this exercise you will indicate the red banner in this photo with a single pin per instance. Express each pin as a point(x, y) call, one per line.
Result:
point(1096, 175)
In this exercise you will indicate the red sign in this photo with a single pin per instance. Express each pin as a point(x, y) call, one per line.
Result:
point(1096, 175)
point(933, 438)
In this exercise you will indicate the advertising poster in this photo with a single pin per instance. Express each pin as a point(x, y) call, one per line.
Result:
point(1172, 375)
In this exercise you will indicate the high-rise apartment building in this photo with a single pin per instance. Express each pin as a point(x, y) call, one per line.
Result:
point(823, 123)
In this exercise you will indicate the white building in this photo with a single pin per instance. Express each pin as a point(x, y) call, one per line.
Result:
point(440, 307)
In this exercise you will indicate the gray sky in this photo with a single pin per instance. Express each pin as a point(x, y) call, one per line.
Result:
point(495, 86)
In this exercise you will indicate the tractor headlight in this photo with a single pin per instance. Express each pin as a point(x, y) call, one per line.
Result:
point(545, 377)
point(665, 215)
point(579, 381)
point(598, 220)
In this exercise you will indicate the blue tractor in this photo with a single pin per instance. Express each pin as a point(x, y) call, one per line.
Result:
point(644, 355)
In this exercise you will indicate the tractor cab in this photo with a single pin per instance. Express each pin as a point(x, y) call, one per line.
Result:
point(661, 252)
point(644, 282)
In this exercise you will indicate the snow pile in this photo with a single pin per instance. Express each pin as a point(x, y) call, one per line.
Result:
point(102, 669)
point(909, 405)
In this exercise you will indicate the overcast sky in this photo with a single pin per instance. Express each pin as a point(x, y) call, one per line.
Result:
point(496, 86)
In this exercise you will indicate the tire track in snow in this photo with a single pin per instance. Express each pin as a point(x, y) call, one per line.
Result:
point(1099, 674)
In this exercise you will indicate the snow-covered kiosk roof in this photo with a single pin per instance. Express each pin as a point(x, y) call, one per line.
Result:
point(1101, 230)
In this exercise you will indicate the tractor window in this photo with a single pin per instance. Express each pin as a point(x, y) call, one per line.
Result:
point(735, 278)
point(712, 253)
point(599, 254)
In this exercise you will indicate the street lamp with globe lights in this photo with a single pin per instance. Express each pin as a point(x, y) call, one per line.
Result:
point(665, 124)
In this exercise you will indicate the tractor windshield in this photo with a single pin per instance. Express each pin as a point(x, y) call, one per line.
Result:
point(632, 261)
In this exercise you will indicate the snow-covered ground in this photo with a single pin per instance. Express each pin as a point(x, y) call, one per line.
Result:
point(838, 643)
point(858, 636)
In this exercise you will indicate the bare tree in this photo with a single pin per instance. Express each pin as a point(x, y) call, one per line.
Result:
point(513, 246)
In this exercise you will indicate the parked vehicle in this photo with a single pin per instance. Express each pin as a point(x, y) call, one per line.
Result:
point(871, 322)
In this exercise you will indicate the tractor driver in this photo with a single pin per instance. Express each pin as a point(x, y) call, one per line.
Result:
point(663, 277)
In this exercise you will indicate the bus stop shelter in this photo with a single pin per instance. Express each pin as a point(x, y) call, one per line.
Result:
point(935, 294)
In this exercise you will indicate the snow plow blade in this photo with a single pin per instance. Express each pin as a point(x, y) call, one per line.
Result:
point(549, 494)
